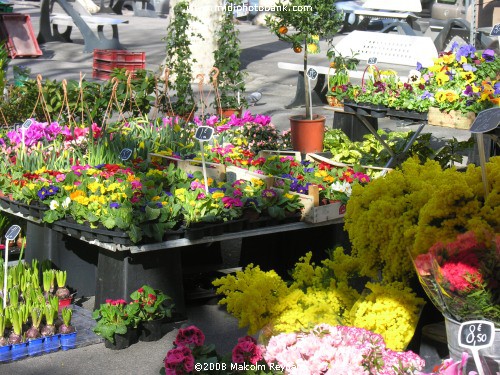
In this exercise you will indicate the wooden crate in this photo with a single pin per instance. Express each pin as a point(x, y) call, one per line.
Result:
point(267, 153)
point(322, 158)
point(214, 170)
point(452, 119)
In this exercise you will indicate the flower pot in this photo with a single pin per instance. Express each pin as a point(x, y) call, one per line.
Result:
point(19, 351)
point(51, 343)
point(307, 135)
point(5, 353)
point(228, 112)
point(195, 231)
point(35, 347)
point(490, 357)
point(151, 330)
point(122, 341)
point(68, 341)
point(65, 302)
point(334, 102)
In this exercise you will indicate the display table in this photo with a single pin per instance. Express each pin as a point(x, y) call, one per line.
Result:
point(395, 159)
point(111, 270)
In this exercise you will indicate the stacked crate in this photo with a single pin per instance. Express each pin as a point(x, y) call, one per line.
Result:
point(105, 60)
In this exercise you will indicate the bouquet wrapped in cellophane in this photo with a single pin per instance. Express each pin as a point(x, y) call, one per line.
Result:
point(462, 277)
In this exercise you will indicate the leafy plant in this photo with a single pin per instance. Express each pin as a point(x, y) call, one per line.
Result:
point(179, 60)
point(310, 20)
point(115, 317)
point(66, 327)
point(4, 63)
point(152, 303)
point(230, 79)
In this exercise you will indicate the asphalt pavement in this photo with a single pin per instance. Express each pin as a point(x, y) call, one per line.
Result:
point(261, 52)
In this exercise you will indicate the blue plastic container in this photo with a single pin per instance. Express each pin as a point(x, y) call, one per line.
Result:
point(68, 341)
point(5, 353)
point(35, 347)
point(51, 343)
point(19, 351)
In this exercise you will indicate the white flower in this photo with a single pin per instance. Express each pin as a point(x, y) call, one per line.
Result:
point(54, 205)
point(414, 76)
point(66, 202)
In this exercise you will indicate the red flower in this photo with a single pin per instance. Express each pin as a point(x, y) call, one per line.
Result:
point(140, 290)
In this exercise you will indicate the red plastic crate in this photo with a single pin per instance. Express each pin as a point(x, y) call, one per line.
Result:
point(21, 39)
point(109, 66)
point(104, 74)
point(119, 56)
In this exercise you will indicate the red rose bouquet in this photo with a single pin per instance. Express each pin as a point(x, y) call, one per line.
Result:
point(462, 277)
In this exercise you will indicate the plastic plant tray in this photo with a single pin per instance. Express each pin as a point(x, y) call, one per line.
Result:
point(119, 56)
point(21, 40)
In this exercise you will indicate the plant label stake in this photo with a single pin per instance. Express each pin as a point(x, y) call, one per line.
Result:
point(476, 335)
point(372, 61)
point(9, 236)
point(25, 126)
point(485, 122)
point(125, 154)
point(312, 75)
point(204, 134)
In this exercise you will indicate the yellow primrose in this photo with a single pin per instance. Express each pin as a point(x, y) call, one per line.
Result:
point(217, 195)
point(155, 198)
point(257, 182)
point(113, 186)
point(180, 191)
point(328, 179)
point(41, 170)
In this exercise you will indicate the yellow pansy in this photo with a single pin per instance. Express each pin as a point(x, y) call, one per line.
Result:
point(442, 78)
point(217, 194)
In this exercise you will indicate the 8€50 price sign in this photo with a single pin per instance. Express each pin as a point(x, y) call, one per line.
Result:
point(476, 335)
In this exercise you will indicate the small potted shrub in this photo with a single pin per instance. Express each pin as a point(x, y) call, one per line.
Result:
point(116, 323)
point(154, 307)
point(301, 28)
point(230, 79)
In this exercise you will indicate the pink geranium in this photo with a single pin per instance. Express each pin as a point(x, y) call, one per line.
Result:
point(179, 361)
point(190, 336)
point(247, 350)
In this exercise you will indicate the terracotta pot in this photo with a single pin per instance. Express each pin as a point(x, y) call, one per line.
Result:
point(307, 135)
point(228, 112)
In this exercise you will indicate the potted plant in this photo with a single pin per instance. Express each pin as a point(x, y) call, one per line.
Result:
point(309, 19)
point(179, 61)
point(230, 79)
point(116, 323)
point(62, 293)
point(153, 308)
point(33, 334)
point(4, 343)
point(16, 338)
point(339, 81)
point(67, 331)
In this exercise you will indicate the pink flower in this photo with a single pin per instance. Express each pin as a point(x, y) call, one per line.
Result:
point(188, 336)
point(179, 361)
point(247, 350)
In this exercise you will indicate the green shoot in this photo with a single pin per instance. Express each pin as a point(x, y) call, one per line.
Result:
point(36, 317)
point(61, 278)
point(49, 315)
point(66, 313)
point(15, 318)
point(14, 296)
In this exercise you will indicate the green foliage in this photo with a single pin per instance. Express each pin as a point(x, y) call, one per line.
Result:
point(4, 64)
point(372, 152)
point(227, 59)
point(309, 19)
point(179, 60)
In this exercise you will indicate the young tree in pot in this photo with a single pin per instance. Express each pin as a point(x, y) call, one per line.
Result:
point(179, 61)
point(298, 22)
point(229, 81)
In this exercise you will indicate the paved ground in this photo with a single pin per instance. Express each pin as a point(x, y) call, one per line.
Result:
point(261, 52)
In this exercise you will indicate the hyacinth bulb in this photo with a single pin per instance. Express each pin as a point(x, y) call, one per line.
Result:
point(62, 293)
point(48, 330)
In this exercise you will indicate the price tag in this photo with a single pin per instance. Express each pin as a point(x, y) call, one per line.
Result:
point(27, 124)
point(312, 73)
point(125, 154)
point(495, 31)
point(486, 121)
point(12, 232)
point(476, 334)
point(204, 133)
point(372, 61)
